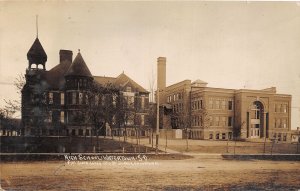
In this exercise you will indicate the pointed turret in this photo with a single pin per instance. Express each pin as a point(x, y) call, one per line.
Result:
point(36, 54)
point(78, 76)
point(79, 68)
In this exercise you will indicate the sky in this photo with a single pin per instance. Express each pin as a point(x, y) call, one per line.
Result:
point(251, 45)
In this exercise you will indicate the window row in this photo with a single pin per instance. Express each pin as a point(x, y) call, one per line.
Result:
point(213, 121)
point(77, 83)
point(58, 116)
point(174, 97)
point(220, 135)
point(78, 117)
point(178, 108)
point(280, 136)
point(51, 98)
point(220, 104)
point(282, 108)
point(197, 104)
point(280, 123)
point(221, 121)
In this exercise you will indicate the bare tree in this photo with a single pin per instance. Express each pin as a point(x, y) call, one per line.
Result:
point(101, 108)
point(237, 133)
point(7, 123)
point(120, 117)
point(14, 106)
point(151, 121)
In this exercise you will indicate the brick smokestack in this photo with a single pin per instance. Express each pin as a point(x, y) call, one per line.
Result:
point(161, 72)
point(65, 55)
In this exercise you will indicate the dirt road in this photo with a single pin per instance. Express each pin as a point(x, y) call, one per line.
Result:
point(203, 172)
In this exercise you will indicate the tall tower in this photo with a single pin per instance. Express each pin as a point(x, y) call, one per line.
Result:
point(161, 73)
point(34, 92)
point(78, 83)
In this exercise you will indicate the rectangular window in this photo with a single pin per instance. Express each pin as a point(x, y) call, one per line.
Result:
point(62, 98)
point(278, 124)
point(114, 99)
point(283, 121)
point(86, 99)
point(217, 121)
point(284, 137)
point(50, 98)
point(217, 104)
point(229, 121)
point(73, 97)
point(230, 105)
point(198, 121)
point(80, 98)
point(130, 101)
point(229, 135)
point(223, 123)
point(284, 108)
point(210, 120)
point(80, 132)
point(279, 136)
point(143, 102)
point(62, 116)
point(276, 108)
point(50, 117)
point(128, 89)
point(223, 104)
point(142, 120)
point(223, 136)
point(210, 104)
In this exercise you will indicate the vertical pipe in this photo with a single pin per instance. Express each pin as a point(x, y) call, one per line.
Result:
point(157, 121)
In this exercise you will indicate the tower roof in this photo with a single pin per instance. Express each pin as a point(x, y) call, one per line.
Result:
point(36, 53)
point(79, 67)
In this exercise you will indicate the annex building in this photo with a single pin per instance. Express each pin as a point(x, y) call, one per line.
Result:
point(52, 99)
point(212, 113)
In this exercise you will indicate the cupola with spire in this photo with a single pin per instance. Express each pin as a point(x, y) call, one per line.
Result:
point(37, 55)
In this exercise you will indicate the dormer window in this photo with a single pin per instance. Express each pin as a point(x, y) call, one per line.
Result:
point(128, 89)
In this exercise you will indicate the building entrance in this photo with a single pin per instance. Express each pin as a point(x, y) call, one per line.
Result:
point(256, 120)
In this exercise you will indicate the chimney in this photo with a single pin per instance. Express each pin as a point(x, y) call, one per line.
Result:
point(161, 73)
point(65, 55)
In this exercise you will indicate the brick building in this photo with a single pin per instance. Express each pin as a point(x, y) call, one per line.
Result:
point(51, 99)
point(212, 113)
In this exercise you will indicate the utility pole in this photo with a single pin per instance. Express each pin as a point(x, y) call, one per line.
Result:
point(298, 138)
point(157, 122)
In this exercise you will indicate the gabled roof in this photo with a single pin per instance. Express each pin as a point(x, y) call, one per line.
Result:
point(121, 82)
point(56, 76)
point(36, 53)
point(104, 80)
point(78, 67)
